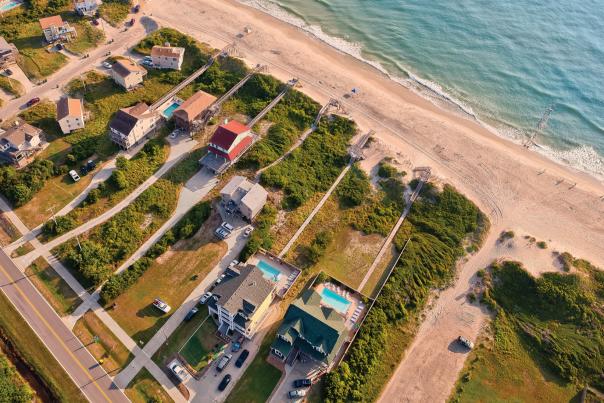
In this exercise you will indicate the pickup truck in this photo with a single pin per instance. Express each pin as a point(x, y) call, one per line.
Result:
point(223, 362)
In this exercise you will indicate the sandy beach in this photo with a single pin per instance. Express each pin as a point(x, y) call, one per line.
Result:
point(517, 188)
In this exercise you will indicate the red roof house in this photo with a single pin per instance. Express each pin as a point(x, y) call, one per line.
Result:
point(230, 140)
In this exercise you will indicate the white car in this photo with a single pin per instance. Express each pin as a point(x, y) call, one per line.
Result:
point(178, 370)
point(107, 65)
point(465, 342)
point(161, 305)
point(205, 297)
point(74, 175)
point(227, 226)
point(248, 231)
point(233, 263)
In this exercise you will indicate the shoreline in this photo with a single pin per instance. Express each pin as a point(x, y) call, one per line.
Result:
point(587, 159)
point(517, 188)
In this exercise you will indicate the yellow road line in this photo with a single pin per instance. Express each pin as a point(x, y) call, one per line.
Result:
point(53, 331)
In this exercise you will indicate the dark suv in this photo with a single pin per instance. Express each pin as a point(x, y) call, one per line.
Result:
point(224, 383)
point(242, 358)
point(302, 383)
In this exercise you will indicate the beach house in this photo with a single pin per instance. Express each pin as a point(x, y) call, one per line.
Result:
point(310, 329)
point(70, 114)
point(244, 197)
point(8, 53)
point(192, 108)
point(127, 73)
point(167, 57)
point(87, 7)
point(228, 143)
point(57, 30)
point(242, 300)
point(130, 125)
point(19, 143)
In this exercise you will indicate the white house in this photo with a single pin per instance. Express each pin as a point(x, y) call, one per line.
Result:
point(127, 73)
point(167, 57)
point(19, 142)
point(70, 114)
point(245, 196)
point(55, 29)
point(87, 7)
point(130, 125)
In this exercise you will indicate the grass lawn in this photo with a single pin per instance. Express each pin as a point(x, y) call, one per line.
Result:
point(35, 61)
point(88, 37)
point(33, 351)
point(172, 278)
point(199, 348)
point(56, 291)
point(11, 86)
point(8, 232)
point(114, 354)
point(260, 378)
point(501, 369)
point(56, 194)
point(115, 11)
point(22, 250)
point(179, 337)
point(144, 389)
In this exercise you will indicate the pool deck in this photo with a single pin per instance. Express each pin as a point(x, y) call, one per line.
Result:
point(289, 273)
point(10, 5)
point(356, 310)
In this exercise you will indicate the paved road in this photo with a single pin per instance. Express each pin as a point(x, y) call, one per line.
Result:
point(87, 374)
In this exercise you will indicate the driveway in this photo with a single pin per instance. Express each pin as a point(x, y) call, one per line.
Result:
point(292, 372)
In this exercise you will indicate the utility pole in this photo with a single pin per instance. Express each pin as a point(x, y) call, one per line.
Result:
point(79, 244)
point(52, 210)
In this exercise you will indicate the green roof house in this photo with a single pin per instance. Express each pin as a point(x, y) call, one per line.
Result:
point(310, 329)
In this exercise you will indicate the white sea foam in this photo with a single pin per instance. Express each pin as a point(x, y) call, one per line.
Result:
point(584, 158)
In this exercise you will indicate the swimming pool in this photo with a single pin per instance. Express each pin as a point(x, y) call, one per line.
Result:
point(170, 110)
point(269, 271)
point(8, 5)
point(336, 301)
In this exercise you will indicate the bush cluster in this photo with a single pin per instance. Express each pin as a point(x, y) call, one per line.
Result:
point(58, 225)
point(19, 186)
point(261, 237)
point(12, 387)
point(437, 229)
point(313, 166)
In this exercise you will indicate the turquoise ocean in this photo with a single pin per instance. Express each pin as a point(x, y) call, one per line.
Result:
point(526, 69)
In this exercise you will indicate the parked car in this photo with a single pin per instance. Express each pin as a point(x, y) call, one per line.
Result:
point(132, 21)
point(161, 305)
point(248, 231)
point(223, 362)
point(191, 313)
point(178, 370)
point(95, 22)
point(242, 357)
point(302, 383)
point(148, 58)
point(219, 280)
point(74, 175)
point(294, 394)
point(234, 263)
point(137, 8)
point(107, 65)
point(60, 46)
point(222, 233)
point(465, 342)
point(236, 346)
point(32, 102)
point(8, 72)
point(205, 297)
point(227, 226)
point(224, 383)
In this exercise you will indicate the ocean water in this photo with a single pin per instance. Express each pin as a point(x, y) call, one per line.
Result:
point(527, 69)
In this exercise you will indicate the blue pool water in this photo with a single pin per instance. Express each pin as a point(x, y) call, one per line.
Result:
point(269, 271)
point(170, 110)
point(337, 302)
point(9, 5)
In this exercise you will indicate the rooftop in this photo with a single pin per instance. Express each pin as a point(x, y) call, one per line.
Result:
point(69, 107)
point(126, 118)
point(125, 67)
point(54, 21)
point(226, 134)
point(18, 134)
point(196, 104)
point(244, 292)
point(167, 51)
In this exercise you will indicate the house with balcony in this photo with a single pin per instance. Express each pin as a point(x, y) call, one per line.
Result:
point(131, 125)
point(70, 114)
point(127, 73)
point(57, 30)
point(19, 143)
point(228, 143)
point(192, 108)
point(242, 300)
point(243, 196)
point(8, 53)
point(167, 57)
point(312, 329)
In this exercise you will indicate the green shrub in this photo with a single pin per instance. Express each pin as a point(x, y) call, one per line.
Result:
point(12, 386)
point(385, 170)
point(261, 237)
point(542, 245)
point(19, 186)
point(59, 225)
point(354, 188)
point(318, 246)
